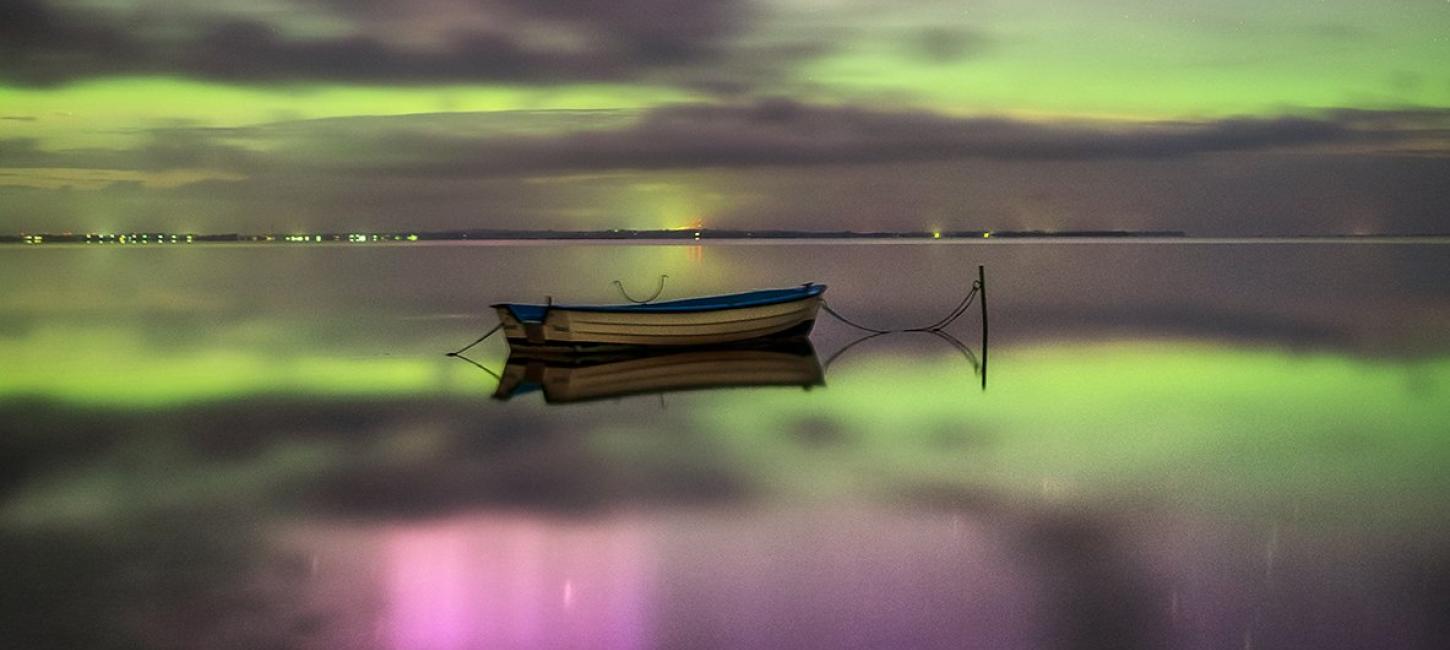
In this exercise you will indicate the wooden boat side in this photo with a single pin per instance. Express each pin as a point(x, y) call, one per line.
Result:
point(707, 327)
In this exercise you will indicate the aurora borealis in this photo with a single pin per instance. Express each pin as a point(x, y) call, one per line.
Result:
point(1230, 439)
point(1296, 118)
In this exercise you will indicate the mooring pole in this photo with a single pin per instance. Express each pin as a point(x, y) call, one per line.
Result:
point(982, 289)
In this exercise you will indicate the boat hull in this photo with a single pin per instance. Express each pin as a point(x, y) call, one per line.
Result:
point(568, 327)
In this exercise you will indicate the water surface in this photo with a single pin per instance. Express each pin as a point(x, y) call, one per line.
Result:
point(1179, 446)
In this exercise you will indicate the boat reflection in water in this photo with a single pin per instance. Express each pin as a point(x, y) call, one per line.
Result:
point(565, 377)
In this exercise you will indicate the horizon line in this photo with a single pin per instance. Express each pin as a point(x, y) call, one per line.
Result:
point(695, 236)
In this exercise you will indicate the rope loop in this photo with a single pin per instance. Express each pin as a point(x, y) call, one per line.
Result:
point(933, 328)
point(659, 289)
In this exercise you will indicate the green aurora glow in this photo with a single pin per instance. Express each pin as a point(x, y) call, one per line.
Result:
point(1074, 59)
point(111, 112)
point(280, 140)
point(1247, 429)
point(1219, 427)
point(1165, 60)
point(106, 367)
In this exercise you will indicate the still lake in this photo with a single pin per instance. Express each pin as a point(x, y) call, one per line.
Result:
point(1180, 445)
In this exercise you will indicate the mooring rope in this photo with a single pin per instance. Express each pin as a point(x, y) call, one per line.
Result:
point(620, 285)
point(827, 306)
point(465, 348)
point(955, 313)
point(936, 327)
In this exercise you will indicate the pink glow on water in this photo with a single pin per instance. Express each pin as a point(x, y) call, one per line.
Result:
point(428, 587)
point(515, 582)
point(723, 579)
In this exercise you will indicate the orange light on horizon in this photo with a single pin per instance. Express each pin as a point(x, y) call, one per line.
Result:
point(697, 224)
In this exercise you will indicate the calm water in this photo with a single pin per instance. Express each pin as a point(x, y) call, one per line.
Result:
point(1188, 446)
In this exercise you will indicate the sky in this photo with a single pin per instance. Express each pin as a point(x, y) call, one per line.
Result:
point(1216, 118)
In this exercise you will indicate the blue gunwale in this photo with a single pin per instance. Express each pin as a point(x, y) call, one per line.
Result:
point(536, 313)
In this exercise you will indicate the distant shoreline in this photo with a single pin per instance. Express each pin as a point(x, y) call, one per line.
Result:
point(688, 237)
point(618, 234)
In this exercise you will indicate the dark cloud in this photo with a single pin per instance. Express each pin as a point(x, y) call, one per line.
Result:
point(665, 30)
point(772, 164)
point(946, 44)
point(25, 152)
point(512, 40)
point(161, 150)
point(784, 133)
point(694, 136)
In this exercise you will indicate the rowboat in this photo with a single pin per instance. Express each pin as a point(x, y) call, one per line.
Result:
point(710, 320)
point(578, 378)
